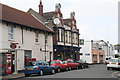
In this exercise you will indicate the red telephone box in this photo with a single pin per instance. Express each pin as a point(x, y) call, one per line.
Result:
point(8, 63)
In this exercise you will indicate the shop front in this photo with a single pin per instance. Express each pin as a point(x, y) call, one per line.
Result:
point(66, 52)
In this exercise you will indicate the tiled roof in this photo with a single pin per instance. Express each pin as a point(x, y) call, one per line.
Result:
point(13, 15)
point(49, 14)
point(67, 21)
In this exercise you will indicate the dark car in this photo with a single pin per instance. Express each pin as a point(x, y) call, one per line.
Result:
point(82, 64)
point(58, 64)
point(38, 67)
point(71, 64)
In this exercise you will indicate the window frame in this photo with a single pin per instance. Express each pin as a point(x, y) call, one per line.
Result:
point(10, 32)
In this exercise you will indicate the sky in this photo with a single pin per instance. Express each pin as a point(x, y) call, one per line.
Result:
point(96, 19)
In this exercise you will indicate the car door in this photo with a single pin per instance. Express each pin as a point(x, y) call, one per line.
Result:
point(62, 66)
point(46, 66)
point(74, 65)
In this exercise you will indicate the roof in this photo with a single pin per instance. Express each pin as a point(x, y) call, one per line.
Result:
point(49, 14)
point(13, 15)
point(66, 21)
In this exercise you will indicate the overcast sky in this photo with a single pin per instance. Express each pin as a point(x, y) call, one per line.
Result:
point(96, 19)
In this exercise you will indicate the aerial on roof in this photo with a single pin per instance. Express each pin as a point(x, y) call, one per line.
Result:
point(13, 15)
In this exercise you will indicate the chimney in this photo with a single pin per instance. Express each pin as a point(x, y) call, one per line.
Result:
point(72, 15)
point(41, 8)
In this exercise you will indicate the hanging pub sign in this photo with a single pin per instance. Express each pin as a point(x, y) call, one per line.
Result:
point(13, 45)
point(81, 41)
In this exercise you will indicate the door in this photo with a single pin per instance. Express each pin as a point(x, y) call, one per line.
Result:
point(61, 65)
point(27, 54)
point(13, 63)
point(45, 66)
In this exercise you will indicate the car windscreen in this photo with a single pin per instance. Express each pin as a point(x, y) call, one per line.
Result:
point(114, 60)
point(53, 62)
point(34, 63)
point(29, 64)
point(69, 61)
point(60, 62)
point(64, 62)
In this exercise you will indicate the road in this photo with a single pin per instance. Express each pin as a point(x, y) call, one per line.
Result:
point(94, 71)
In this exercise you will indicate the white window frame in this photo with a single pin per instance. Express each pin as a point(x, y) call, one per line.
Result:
point(10, 32)
point(36, 37)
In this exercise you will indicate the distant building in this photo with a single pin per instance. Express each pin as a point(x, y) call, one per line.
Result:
point(92, 52)
point(95, 52)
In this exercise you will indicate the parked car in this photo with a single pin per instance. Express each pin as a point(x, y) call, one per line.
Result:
point(58, 64)
point(70, 63)
point(107, 60)
point(38, 67)
point(82, 64)
point(113, 63)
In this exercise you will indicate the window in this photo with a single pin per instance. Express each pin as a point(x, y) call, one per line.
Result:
point(60, 62)
point(76, 38)
point(53, 62)
point(36, 37)
point(62, 35)
point(10, 33)
point(46, 37)
point(73, 38)
point(58, 35)
point(66, 33)
point(69, 36)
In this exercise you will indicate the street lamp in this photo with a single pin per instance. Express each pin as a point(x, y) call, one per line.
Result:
point(45, 24)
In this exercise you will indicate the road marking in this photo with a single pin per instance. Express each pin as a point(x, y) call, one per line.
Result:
point(114, 74)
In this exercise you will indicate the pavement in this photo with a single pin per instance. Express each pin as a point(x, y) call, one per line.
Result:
point(13, 76)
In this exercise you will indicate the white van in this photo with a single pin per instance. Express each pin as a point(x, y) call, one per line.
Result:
point(113, 63)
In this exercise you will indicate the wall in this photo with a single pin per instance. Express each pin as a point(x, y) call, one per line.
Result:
point(86, 50)
point(28, 43)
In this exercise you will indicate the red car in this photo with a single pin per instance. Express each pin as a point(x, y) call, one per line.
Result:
point(58, 64)
point(70, 63)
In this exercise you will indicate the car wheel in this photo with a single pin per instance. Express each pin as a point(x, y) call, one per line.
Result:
point(67, 69)
point(26, 75)
point(87, 66)
point(41, 73)
point(108, 68)
point(70, 68)
point(53, 71)
point(58, 70)
point(82, 67)
point(77, 67)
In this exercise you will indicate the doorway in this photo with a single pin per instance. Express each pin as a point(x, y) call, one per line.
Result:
point(13, 63)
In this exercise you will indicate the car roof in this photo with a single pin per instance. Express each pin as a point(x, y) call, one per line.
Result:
point(56, 60)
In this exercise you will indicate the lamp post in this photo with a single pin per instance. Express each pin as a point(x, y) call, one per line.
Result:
point(45, 24)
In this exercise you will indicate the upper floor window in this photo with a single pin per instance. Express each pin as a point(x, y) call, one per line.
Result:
point(66, 33)
point(46, 37)
point(69, 36)
point(10, 33)
point(62, 35)
point(77, 38)
point(36, 36)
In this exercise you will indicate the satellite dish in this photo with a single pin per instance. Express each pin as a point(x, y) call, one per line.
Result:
point(56, 21)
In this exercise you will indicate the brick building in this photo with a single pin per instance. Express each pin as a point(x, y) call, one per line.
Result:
point(66, 37)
